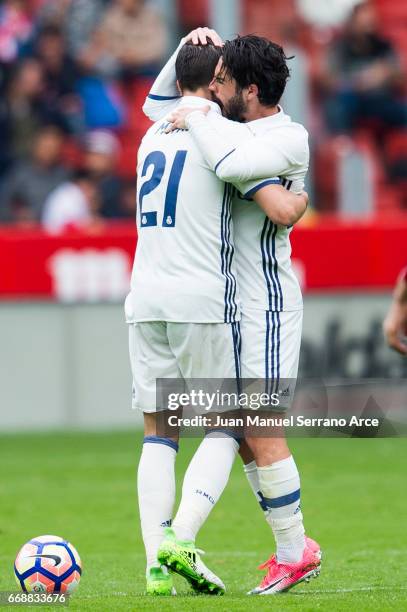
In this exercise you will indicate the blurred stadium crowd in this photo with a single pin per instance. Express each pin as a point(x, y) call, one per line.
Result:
point(74, 75)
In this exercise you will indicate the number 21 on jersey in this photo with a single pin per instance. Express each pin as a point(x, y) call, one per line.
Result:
point(158, 160)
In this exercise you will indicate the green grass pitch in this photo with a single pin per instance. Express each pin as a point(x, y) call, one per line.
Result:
point(82, 487)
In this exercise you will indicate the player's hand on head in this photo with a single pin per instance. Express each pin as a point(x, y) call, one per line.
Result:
point(177, 119)
point(199, 36)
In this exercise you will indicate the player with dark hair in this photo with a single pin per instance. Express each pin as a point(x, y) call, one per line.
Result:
point(195, 64)
point(247, 60)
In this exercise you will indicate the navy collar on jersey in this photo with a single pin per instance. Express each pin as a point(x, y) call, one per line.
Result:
point(198, 101)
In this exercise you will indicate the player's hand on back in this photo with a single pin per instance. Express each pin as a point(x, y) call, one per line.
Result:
point(177, 119)
point(395, 327)
point(199, 36)
point(395, 323)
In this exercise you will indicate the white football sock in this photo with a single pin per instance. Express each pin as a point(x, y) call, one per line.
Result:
point(156, 492)
point(280, 488)
point(250, 469)
point(204, 481)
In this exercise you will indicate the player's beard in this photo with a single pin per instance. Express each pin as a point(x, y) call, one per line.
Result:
point(235, 108)
point(218, 102)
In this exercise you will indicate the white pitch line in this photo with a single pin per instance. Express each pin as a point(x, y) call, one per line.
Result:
point(293, 593)
point(355, 590)
point(233, 553)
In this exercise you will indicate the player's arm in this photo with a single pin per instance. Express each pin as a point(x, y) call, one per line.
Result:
point(395, 323)
point(164, 95)
point(258, 157)
point(281, 206)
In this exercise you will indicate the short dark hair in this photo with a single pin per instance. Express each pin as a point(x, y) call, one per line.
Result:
point(195, 65)
point(255, 60)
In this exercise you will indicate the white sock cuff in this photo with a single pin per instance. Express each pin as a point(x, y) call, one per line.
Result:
point(287, 522)
point(285, 464)
point(249, 468)
point(162, 441)
point(279, 479)
point(221, 435)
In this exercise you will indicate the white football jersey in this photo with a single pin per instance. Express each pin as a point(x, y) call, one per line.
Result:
point(269, 148)
point(278, 147)
point(184, 267)
point(263, 250)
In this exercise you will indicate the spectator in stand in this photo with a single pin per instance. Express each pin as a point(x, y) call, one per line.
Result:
point(131, 40)
point(20, 112)
point(78, 18)
point(101, 155)
point(128, 202)
point(31, 180)
point(15, 29)
point(60, 71)
point(73, 205)
point(23, 109)
point(362, 76)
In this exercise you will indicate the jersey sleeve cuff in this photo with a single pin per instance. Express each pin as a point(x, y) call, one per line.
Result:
point(156, 97)
point(223, 159)
point(253, 190)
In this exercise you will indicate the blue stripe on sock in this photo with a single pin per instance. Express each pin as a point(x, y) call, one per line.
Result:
point(284, 500)
point(262, 501)
point(158, 440)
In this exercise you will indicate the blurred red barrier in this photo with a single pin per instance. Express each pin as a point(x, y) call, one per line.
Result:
point(329, 255)
point(337, 254)
point(74, 266)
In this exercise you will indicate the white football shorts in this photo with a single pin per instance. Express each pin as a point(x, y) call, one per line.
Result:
point(270, 349)
point(160, 349)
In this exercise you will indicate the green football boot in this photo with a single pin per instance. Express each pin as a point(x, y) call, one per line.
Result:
point(183, 558)
point(159, 582)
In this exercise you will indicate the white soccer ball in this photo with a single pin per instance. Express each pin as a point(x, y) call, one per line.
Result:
point(48, 564)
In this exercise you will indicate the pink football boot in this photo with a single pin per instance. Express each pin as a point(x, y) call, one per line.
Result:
point(281, 577)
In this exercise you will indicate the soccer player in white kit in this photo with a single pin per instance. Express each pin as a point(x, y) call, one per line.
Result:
point(249, 81)
point(183, 312)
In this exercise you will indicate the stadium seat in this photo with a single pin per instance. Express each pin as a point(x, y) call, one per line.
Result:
point(389, 198)
point(193, 14)
point(136, 126)
point(72, 154)
point(393, 20)
point(270, 18)
point(396, 145)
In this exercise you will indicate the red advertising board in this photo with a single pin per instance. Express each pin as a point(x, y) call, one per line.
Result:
point(77, 266)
